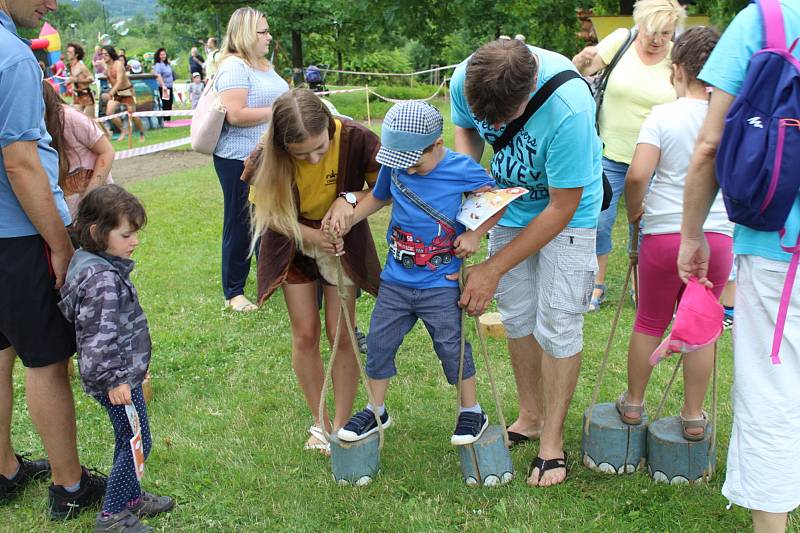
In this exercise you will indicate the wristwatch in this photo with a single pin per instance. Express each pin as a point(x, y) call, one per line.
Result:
point(350, 198)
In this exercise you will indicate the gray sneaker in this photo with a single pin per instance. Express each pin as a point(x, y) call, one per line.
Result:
point(151, 505)
point(121, 522)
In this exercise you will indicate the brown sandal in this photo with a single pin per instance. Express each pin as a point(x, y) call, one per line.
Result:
point(692, 424)
point(623, 407)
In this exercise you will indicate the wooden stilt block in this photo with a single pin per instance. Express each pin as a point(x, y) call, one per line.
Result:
point(487, 462)
point(612, 446)
point(675, 460)
point(491, 326)
point(355, 463)
point(147, 388)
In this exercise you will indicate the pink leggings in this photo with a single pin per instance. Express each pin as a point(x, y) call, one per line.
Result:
point(660, 288)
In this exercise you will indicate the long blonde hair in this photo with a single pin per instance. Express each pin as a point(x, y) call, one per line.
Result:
point(241, 37)
point(297, 115)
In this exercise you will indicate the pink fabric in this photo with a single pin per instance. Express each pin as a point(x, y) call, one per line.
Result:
point(773, 23)
point(660, 288)
point(697, 323)
point(786, 296)
point(80, 134)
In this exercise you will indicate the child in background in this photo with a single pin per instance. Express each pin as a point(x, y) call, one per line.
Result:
point(196, 89)
point(425, 247)
point(664, 149)
point(113, 342)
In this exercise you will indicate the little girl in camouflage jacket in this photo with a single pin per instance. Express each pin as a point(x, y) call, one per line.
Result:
point(113, 342)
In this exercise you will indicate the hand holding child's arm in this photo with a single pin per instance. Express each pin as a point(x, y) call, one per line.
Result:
point(341, 221)
point(120, 395)
point(323, 240)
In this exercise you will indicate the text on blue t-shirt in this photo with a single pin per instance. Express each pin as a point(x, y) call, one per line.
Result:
point(558, 147)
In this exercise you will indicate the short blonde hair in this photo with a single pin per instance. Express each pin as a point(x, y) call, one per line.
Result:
point(655, 15)
point(241, 37)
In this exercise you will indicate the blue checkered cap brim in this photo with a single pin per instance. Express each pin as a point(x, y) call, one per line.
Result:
point(408, 128)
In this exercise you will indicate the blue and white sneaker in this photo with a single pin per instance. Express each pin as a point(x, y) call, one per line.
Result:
point(361, 425)
point(469, 428)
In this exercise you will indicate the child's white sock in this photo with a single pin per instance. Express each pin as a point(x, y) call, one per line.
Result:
point(474, 409)
point(73, 488)
point(380, 411)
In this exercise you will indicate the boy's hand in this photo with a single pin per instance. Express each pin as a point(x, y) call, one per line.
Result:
point(120, 395)
point(466, 244)
point(485, 188)
point(339, 218)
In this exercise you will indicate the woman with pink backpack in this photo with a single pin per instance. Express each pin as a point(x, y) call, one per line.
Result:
point(664, 149)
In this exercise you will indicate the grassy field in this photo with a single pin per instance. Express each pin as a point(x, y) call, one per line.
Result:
point(153, 137)
point(229, 420)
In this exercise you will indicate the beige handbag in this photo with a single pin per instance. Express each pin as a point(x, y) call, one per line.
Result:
point(207, 121)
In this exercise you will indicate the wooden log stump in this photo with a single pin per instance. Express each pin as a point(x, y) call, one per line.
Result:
point(486, 462)
point(147, 388)
point(355, 463)
point(491, 326)
point(612, 446)
point(675, 460)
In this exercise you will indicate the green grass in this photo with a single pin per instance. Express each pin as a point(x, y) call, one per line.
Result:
point(153, 137)
point(229, 420)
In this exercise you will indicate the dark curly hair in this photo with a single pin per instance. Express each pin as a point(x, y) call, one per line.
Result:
point(692, 49)
point(79, 52)
point(105, 208)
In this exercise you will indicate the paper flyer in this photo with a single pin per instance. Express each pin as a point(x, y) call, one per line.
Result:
point(136, 441)
point(479, 207)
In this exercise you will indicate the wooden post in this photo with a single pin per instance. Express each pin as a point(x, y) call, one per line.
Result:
point(675, 460)
point(487, 462)
point(611, 446)
point(355, 463)
point(369, 119)
point(147, 388)
point(491, 326)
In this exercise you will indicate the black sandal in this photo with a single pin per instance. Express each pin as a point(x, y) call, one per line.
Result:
point(547, 464)
point(515, 439)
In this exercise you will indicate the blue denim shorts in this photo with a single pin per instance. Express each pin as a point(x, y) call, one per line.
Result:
point(615, 172)
point(396, 311)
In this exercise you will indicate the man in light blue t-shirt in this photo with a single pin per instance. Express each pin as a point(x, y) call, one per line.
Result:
point(542, 252)
point(763, 466)
point(35, 251)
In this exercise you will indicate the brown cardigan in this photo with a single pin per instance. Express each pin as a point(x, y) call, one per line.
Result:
point(358, 147)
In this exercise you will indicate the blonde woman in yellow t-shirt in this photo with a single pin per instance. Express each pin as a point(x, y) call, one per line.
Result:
point(639, 81)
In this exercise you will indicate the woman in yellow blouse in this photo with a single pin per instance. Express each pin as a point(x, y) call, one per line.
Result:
point(639, 81)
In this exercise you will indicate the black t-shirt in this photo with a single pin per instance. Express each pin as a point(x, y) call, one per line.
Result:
point(195, 64)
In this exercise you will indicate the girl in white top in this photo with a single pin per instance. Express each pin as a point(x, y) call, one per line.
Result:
point(663, 152)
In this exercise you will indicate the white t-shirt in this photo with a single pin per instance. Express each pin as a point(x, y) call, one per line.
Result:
point(673, 128)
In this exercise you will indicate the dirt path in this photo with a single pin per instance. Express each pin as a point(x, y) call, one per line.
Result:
point(152, 165)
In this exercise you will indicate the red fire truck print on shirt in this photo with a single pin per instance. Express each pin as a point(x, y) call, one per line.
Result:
point(410, 250)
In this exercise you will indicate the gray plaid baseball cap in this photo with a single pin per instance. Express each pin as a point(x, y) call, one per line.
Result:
point(408, 128)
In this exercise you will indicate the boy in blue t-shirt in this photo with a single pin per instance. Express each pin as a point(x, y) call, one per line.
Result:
point(427, 182)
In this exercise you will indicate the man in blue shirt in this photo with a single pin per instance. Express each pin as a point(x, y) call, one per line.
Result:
point(542, 252)
point(763, 466)
point(35, 250)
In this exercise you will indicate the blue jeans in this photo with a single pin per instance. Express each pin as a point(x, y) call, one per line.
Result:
point(615, 172)
point(123, 487)
point(235, 226)
point(397, 309)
